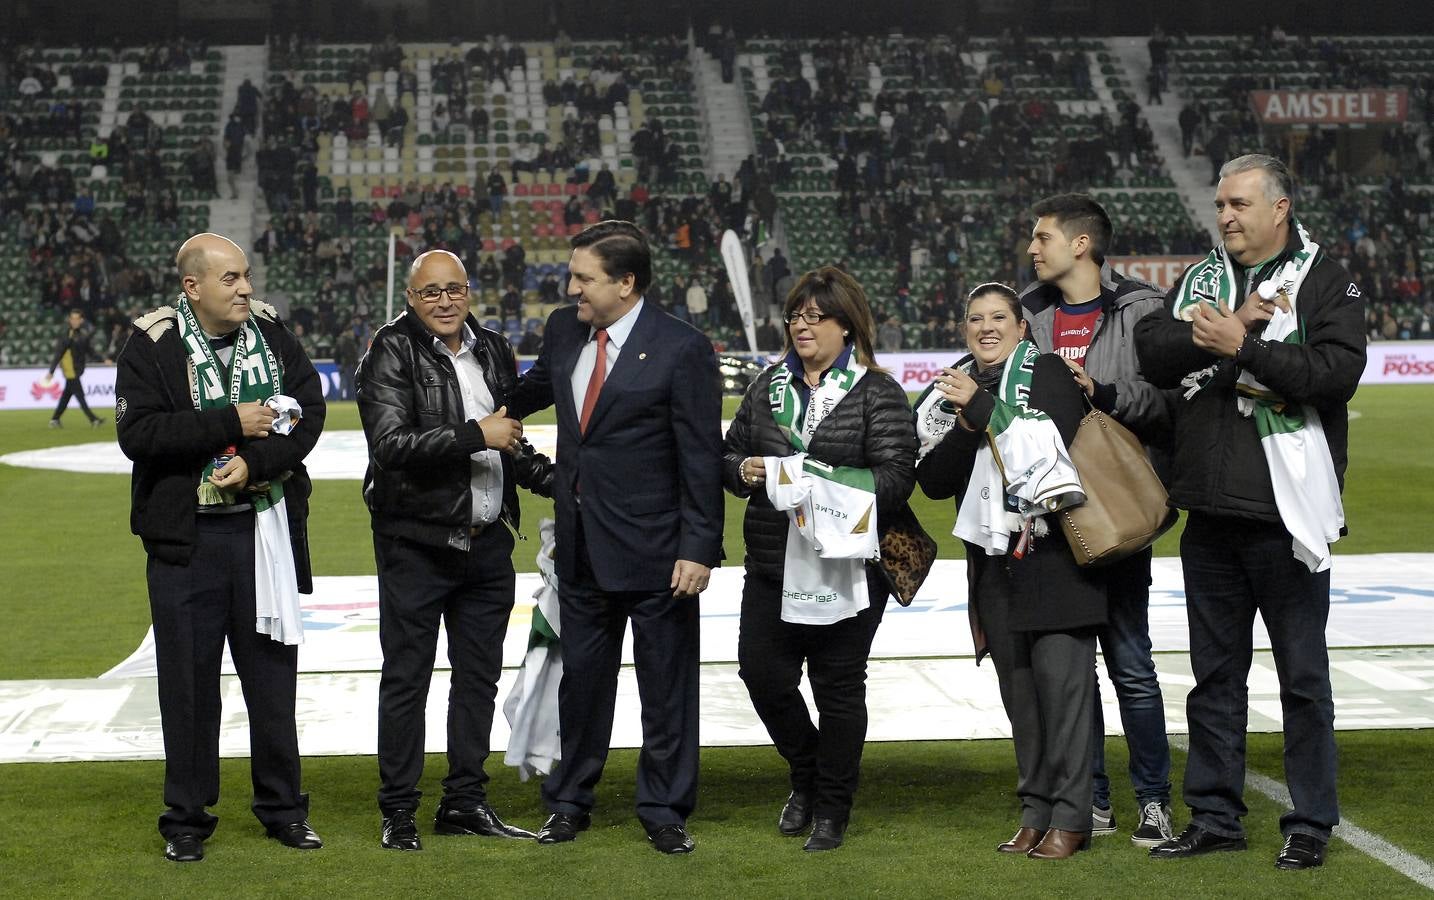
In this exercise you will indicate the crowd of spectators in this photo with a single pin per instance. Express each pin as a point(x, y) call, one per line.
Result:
point(686, 229)
point(1376, 231)
point(895, 203)
point(459, 217)
point(1377, 237)
point(983, 128)
point(75, 247)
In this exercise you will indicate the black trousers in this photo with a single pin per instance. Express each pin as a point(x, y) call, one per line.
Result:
point(472, 594)
point(74, 389)
point(825, 758)
point(665, 643)
point(1233, 569)
point(195, 607)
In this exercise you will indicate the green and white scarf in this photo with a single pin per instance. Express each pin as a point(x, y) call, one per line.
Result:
point(253, 374)
point(1291, 435)
point(831, 510)
point(1023, 470)
point(799, 422)
point(534, 744)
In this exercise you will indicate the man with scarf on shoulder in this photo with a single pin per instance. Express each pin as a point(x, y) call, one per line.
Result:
point(1266, 335)
point(217, 406)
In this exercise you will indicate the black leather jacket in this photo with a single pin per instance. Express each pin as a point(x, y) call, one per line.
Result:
point(417, 484)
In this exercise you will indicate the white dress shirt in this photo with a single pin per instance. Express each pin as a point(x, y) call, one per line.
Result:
point(486, 482)
point(617, 334)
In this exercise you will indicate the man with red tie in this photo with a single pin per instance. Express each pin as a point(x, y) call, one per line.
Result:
point(638, 501)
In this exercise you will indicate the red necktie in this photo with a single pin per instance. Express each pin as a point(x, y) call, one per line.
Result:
point(595, 381)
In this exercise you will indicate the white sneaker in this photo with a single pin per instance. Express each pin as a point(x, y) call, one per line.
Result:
point(1102, 820)
point(1154, 827)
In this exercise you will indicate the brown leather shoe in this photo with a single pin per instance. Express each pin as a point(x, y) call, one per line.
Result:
point(1023, 841)
point(1058, 844)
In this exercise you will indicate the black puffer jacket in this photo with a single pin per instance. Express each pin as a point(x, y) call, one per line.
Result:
point(417, 483)
point(871, 428)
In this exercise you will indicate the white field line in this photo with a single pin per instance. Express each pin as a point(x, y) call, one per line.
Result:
point(1370, 844)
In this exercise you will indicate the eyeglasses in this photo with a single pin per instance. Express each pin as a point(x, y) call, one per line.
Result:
point(811, 318)
point(431, 294)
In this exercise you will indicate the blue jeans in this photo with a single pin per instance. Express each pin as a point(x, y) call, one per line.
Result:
point(1125, 643)
point(1233, 568)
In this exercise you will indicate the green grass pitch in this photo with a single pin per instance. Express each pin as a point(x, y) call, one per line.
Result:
point(926, 819)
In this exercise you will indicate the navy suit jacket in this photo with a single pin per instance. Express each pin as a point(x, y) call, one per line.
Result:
point(650, 465)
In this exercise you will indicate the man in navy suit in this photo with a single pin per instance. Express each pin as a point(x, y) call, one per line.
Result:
point(638, 498)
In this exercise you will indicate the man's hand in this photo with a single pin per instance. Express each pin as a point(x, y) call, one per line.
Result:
point(1256, 310)
point(256, 418)
point(1086, 383)
point(233, 476)
point(501, 432)
point(689, 578)
point(1219, 331)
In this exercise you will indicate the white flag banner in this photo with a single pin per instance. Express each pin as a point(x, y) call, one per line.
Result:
point(735, 258)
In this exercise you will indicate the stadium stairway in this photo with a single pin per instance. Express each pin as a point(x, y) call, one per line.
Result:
point(233, 216)
point(1192, 175)
point(726, 124)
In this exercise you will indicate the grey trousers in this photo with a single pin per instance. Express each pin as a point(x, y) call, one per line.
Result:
point(1047, 686)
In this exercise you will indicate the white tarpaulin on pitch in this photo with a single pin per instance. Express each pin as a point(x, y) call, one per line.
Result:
point(1375, 600)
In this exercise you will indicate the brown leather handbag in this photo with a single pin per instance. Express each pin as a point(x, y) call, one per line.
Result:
point(907, 553)
point(1125, 507)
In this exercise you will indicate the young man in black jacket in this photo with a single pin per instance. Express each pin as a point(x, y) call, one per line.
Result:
point(1257, 536)
point(213, 471)
point(72, 351)
point(444, 463)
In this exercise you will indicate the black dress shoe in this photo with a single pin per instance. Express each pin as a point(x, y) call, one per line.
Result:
point(400, 831)
point(670, 839)
point(1301, 851)
point(480, 820)
point(184, 848)
point(1195, 841)
point(297, 835)
point(563, 827)
point(826, 834)
point(796, 814)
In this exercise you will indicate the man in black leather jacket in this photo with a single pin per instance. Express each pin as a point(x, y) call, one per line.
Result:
point(444, 462)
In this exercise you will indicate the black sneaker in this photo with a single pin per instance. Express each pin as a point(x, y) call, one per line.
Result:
point(1154, 828)
point(1102, 820)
